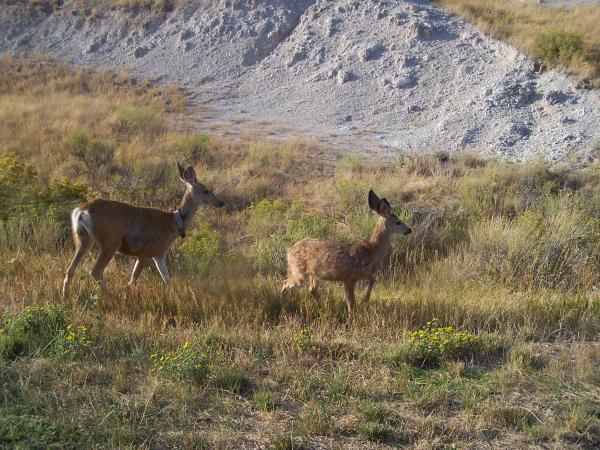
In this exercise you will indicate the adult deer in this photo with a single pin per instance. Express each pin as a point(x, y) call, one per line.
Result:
point(313, 260)
point(146, 233)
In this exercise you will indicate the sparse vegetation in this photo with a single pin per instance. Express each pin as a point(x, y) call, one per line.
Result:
point(560, 36)
point(504, 256)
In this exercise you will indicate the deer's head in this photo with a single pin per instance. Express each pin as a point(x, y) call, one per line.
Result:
point(199, 193)
point(382, 207)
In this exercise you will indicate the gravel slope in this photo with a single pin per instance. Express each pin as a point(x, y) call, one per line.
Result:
point(380, 76)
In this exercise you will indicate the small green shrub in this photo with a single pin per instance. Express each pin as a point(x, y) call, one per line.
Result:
point(432, 344)
point(94, 155)
point(17, 183)
point(231, 379)
point(512, 417)
point(73, 341)
point(524, 359)
point(338, 387)
point(303, 339)
point(191, 148)
point(374, 431)
point(32, 331)
point(267, 217)
point(186, 363)
point(377, 413)
point(500, 23)
point(558, 47)
point(264, 400)
point(314, 419)
point(35, 215)
point(31, 430)
point(202, 248)
point(130, 119)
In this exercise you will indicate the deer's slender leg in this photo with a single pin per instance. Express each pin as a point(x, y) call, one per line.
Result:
point(161, 266)
point(350, 300)
point(140, 263)
point(367, 295)
point(313, 285)
point(104, 258)
point(83, 244)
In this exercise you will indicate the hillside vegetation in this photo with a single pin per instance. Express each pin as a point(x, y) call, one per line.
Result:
point(566, 37)
point(482, 330)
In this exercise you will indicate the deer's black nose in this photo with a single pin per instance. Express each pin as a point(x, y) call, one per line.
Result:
point(408, 232)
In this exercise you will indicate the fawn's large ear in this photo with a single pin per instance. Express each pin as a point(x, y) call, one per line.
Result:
point(373, 200)
point(383, 208)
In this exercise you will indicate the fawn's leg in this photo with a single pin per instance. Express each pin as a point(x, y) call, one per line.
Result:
point(161, 265)
point(313, 285)
point(350, 300)
point(83, 243)
point(140, 263)
point(367, 295)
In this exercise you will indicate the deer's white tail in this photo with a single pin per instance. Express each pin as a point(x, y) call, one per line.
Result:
point(81, 222)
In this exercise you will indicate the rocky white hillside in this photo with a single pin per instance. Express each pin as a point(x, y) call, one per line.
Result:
point(391, 76)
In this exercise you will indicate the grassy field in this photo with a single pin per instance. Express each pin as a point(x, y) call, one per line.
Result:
point(566, 37)
point(483, 330)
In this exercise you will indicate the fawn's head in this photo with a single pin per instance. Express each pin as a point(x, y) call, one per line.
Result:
point(199, 193)
point(382, 207)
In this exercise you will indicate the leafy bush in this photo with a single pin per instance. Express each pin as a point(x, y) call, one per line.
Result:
point(376, 412)
point(501, 22)
point(73, 341)
point(21, 428)
point(231, 379)
point(267, 217)
point(17, 183)
point(303, 339)
point(32, 331)
point(34, 213)
point(512, 417)
point(94, 155)
point(191, 148)
point(432, 344)
point(264, 400)
point(374, 431)
point(202, 248)
point(186, 363)
point(130, 119)
point(558, 47)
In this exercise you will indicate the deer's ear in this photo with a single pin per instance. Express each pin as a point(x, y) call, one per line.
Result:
point(189, 175)
point(373, 200)
point(383, 208)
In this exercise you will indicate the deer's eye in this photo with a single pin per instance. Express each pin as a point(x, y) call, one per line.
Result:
point(206, 192)
point(398, 223)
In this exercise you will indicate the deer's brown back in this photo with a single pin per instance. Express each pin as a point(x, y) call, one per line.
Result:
point(133, 230)
point(331, 260)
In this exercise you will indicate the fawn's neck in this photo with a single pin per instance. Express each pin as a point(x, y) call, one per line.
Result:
point(187, 209)
point(380, 240)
